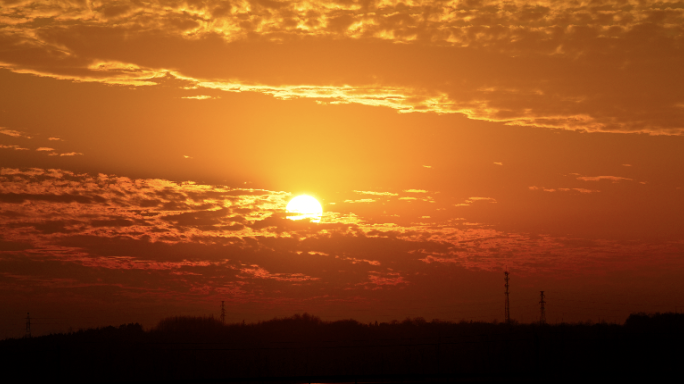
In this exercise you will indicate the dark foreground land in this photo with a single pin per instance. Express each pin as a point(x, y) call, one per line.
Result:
point(304, 349)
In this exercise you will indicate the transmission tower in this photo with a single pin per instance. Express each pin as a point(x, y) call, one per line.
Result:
point(542, 315)
point(507, 306)
point(28, 325)
point(223, 312)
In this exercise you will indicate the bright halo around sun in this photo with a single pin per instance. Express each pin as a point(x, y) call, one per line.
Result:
point(305, 207)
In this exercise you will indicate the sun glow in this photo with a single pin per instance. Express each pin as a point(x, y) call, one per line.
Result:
point(305, 207)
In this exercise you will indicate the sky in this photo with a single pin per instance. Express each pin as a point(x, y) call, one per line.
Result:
point(148, 150)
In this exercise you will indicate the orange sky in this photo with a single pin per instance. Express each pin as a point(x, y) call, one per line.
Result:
point(147, 153)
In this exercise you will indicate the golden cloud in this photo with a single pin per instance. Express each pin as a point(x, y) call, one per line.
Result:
point(600, 66)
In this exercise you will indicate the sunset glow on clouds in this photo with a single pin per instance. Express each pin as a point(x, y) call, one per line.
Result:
point(187, 234)
point(149, 149)
point(571, 65)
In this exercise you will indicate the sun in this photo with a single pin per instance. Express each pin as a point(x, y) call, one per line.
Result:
point(305, 207)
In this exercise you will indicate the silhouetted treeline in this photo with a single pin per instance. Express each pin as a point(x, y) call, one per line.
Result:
point(303, 348)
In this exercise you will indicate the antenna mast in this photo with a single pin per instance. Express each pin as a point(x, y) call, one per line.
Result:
point(223, 312)
point(507, 306)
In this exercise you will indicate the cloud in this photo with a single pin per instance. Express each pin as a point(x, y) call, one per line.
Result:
point(377, 193)
point(104, 210)
point(444, 260)
point(360, 201)
point(15, 147)
point(72, 236)
point(584, 190)
point(18, 198)
point(488, 199)
point(13, 133)
point(415, 191)
point(148, 207)
point(498, 163)
point(551, 64)
point(55, 139)
point(44, 149)
point(379, 279)
point(471, 200)
point(355, 260)
point(217, 219)
point(427, 166)
point(580, 190)
point(255, 271)
point(200, 97)
point(398, 98)
point(68, 154)
point(599, 178)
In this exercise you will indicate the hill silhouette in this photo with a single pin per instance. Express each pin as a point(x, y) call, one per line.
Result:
point(303, 348)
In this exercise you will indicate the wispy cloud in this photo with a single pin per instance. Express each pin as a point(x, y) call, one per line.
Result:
point(599, 178)
point(355, 260)
point(13, 133)
point(15, 147)
point(377, 193)
point(379, 279)
point(255, 271)
point(490, 44)
point(471, 200)
point(200, 97)
point(580, 190)
point(487, 199)
point(584, 190)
